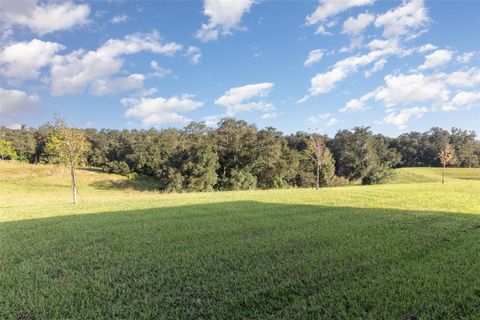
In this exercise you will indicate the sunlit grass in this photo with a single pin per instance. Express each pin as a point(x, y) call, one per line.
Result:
point(396, 251)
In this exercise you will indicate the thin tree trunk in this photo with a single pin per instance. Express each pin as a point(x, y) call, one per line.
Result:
point(74, 185)
point(443, 175)
point(317, 184)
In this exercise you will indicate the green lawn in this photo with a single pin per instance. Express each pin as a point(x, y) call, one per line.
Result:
point(397, 251)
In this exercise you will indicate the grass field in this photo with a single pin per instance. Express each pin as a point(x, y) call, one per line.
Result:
point(405, 250)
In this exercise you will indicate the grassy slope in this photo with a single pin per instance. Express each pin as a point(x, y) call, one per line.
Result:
point(388, 251)
point(419, 175)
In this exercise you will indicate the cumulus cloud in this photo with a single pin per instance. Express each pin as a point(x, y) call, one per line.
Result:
point(355, 105)
point(354, 26)
point(405, 89)
point(463, 99)
point(401, 118)
point(321, 30)
point(325, 118)
point(246, 98)
point(325, 82)
point(224, 17)
point(380, 49)
point(465, 57)
point(211, 121)
point(437, 58)
point(376, 67)
point(269, 115)
point(409, 17)
point(414, 89)
point(23, 60)
point(194, 54)
point(463, 79)
point(119, 18)
point(329, 8)
point(313, 57)
point(44, 18)
point(160, 111)
point(427, 47)
point(159, 71)
point(102, 87)
point(80, 70)
point(13, 102)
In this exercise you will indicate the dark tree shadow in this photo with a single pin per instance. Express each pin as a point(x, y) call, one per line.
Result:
point(242, 260)
point(139, 183)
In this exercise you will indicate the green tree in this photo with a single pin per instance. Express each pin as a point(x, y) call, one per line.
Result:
point(465, 145)
point(273, 165)
point(70, 147)
point(354, 153)
point(6, 150)
point(236, 143)
point(197, 159)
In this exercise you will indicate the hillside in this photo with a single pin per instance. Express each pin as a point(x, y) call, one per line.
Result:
point(422, 175)
point(386, 251)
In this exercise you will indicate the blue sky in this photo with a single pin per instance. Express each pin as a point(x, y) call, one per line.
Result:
point(295, 65)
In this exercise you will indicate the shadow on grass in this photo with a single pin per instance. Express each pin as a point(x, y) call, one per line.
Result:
point(239, 260)
point(135, 182)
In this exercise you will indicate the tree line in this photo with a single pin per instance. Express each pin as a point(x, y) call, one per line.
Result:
point(238, 156)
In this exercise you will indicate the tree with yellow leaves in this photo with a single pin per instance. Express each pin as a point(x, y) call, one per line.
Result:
point(447, 157)
point(70, 146)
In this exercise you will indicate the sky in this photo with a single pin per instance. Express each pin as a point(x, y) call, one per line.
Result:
point(322, 66)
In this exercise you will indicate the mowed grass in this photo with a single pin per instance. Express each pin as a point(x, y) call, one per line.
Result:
point(397, 251)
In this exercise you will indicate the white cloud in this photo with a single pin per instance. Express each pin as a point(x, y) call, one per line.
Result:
point(246, 98)
point(437, 58)
point(159, 71)
point(102, 87)
point(358, 104)
point(44, 18)
point(325, 82)
point(23, 60)
point(79, 70)
point(321, 30)
point(224, 16)
point(388, 46)
point(465, 57)
point(354, 26)
point(119, 18)
point(194, 54)
point(463, 99)
point(401, 118)
point(330, 8)
point(159, 111)
point(406, 89)
point(427, 47)
point(463, 79)
point(376, 67)
point(313, 57)
point(211, 121)
point(353, 105)
point(410, 16)
point(15, 101)
point(417, 88)
point(269, 115)
point(147, 92)
point(325, 118)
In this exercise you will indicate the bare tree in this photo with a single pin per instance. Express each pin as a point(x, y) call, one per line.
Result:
point(317, 148)
point(447, 157)
point(70, 146)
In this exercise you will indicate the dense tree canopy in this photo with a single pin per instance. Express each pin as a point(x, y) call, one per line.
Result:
point(238, 156)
